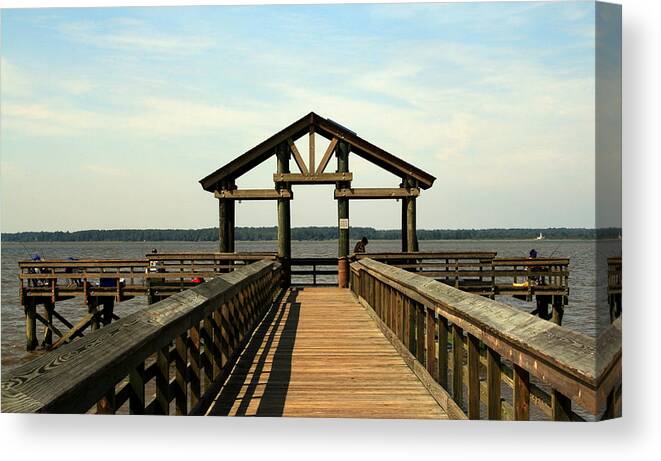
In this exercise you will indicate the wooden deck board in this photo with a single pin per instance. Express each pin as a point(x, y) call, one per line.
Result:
point(319, 354)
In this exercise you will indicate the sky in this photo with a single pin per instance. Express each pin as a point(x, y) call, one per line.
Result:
point(110, 116)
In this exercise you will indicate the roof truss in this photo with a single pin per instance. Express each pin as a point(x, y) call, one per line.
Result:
point(311, 124)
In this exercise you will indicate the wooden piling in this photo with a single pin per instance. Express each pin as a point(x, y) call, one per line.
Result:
point(49, 307)
point(30, 325)
point(107, 311)
point(558, 310)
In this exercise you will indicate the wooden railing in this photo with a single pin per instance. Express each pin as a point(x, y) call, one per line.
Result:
point(314, 267)
point(467, 349)
point(484, 274)
point(126, 278)
point(179, 349)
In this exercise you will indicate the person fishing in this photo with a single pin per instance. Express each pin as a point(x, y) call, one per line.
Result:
point(361, 245)
point(537, 280)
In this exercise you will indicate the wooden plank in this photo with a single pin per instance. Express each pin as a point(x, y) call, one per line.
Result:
point(301, 362)
point(323, 178)
point(77, 329)
point(298, 159)
point(376, 193)
point(326, 158)
point(255, 194)
point(312, 147)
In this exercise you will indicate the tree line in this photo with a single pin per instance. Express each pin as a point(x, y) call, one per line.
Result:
point(307, 233)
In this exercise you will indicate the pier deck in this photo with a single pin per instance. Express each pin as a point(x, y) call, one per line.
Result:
point(319, 354)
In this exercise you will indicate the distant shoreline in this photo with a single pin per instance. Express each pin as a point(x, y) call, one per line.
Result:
point(265, 234)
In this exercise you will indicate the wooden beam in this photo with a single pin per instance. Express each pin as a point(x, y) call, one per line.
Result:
point(298, 159)
point(377, 193)
point(324, 178)
point(254, 194)
point(312, 148)
point(327, 156)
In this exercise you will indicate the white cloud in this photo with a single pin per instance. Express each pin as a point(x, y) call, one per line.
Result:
point(135, 37)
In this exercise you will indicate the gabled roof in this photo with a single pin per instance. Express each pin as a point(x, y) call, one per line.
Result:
point(328, 129)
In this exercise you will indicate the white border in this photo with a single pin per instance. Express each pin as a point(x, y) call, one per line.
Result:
point(634, 436)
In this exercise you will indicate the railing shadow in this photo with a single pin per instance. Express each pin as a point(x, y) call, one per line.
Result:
point(277, 334)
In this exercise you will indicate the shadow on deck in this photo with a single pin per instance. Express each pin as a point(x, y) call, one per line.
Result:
point(319, 354)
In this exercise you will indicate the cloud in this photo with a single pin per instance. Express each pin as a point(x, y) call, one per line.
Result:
point(134, 36)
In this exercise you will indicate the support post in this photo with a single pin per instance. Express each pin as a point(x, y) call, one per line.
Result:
point(404, 223)
point(223, 237)
point(49, 307)
point(93, 308)
point(30, 325)
point(411, 233)
point(231, 225)
point(284, 217)
point(226, 220)
point(342, 153)
point(108, 307)
point(558, 310)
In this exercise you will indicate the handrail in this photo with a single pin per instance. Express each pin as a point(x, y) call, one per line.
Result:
point(423, 313)
point(201, 331)
point(482, 273)
point(310, 266)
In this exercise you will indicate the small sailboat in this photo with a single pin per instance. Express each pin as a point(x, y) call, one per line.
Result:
point(540, 237)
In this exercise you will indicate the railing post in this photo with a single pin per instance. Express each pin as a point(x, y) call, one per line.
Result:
point(493, 385)
point(194, 354)
point(163, 381)
point(181, 378)
point(431, 343)
point(207, 356)
point(521, 394)
point(412, 325)
point(457, 364)
point(443, 336)
point(420, 332)
point(473, 377)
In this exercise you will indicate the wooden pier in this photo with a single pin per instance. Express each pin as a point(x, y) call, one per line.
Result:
point(242, 344)
point(401, 335)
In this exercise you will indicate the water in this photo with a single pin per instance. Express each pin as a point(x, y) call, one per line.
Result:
point(587, 311)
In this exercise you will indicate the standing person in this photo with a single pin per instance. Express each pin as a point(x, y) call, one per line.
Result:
point(361, 246)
